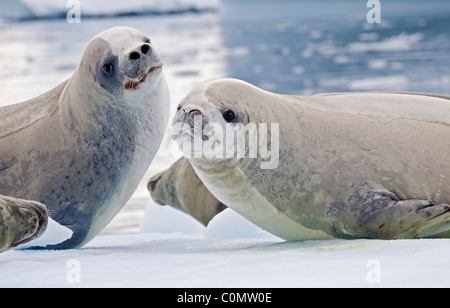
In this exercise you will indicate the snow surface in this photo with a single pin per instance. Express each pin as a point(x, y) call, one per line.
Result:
point(230, 252)
point(226, 225)
point(166, 219)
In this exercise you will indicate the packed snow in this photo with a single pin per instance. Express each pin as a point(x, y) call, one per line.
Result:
point(229, 253)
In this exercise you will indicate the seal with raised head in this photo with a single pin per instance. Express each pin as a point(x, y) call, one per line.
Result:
point(180, 187)
point(351, 165)
point(20, 222)
point(82, 148)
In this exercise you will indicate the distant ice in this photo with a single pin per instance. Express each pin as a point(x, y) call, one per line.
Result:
point(402, 42)
point(368, 36)
point(377, 64)
point(368, 43)
point(25, 9)
point(387, 83)
point(237, 52)
point(298, 70)
point(384, 83)
point(341, 59)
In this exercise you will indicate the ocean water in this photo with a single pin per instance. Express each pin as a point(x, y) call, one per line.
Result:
point(307, 47)
point(285, 46)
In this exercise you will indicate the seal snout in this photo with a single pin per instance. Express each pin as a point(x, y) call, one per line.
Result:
point(138, 54)
point(141, 62)
point(188, 116)
point(195, 120)
point(193, 114)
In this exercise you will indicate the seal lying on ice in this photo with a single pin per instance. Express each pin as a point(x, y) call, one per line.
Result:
point(351, 165)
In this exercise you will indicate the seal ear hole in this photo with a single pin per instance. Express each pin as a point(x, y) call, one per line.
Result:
point(229, 116)
point(108, 68)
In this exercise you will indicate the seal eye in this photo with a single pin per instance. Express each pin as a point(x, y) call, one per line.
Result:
point(229, 116)
point(179, 108)
point(108, 68)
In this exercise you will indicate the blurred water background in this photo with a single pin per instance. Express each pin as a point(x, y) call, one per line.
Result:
point(285, 46)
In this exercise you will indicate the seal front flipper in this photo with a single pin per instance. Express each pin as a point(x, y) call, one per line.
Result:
point(373, 212)
point(20, 221)
point(180, 187)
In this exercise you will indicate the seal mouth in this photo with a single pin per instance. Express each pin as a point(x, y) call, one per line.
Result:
point(131, 84)
point(191, 137)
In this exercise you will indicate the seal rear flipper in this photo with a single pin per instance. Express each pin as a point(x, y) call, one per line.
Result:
point(373, 212)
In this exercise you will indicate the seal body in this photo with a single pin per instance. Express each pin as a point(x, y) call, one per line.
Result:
point(20, 222)
point(83, 147)
point(351, 165)
point(180, 187)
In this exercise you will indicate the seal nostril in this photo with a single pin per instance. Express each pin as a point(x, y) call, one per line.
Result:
point(145, 48)
point(135, 56)
point(194, 113)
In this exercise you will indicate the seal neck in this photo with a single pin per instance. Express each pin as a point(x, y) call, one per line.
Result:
point(82, 99)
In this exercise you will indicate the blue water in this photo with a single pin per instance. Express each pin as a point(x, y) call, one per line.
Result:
point(286, 46)
point(294, 46)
